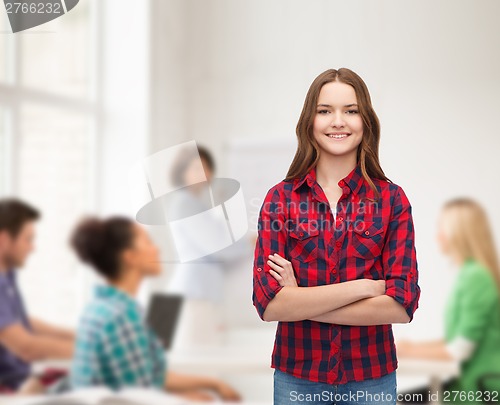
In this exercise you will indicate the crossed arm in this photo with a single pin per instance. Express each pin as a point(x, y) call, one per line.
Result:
point(358, 302)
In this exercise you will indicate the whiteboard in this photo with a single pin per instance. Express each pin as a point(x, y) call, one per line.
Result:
point(258, 164)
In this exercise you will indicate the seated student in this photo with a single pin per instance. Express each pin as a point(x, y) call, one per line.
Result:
point(114, 346)
point(472, 313)
point(23, 339)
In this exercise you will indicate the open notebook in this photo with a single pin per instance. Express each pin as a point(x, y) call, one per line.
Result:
point(102, 396)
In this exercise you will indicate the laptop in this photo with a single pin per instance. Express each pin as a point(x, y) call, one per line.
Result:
point(163, 315)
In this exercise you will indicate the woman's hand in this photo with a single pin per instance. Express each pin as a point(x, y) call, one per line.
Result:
point(282, 271)
point(374, 288)
point(195, 387)
point(197, 396)
point(406, 348)
point(226, 392)
point(31, 386)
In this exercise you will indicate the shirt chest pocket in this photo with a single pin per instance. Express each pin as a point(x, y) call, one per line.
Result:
point(367, 241)
point(303, 241)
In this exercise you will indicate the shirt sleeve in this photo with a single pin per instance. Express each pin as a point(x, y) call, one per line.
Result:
point(7, 318)
point(461, 348)
point(399, 256)
point(476, 304)
point(271, 239)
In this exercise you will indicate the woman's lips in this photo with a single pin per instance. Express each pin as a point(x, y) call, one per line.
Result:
point(337, 137)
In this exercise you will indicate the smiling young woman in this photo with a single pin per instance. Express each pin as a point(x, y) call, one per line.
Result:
point(335, 261)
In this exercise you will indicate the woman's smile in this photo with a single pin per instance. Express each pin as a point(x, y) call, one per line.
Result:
point(339, 136)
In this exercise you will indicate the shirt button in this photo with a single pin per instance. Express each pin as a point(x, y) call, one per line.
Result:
point(301, 233)
point(341, 182)
point(341, 219)
point(334, 271)
point(367, 232)
point(338, 244)
point(259, 269)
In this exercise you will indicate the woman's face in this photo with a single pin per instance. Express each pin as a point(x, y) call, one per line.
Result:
point(441, 238)
point(197, 171)
point(337, 112)
point(144, 254)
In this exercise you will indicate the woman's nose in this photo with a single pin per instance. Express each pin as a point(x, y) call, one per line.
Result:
point(337, 120)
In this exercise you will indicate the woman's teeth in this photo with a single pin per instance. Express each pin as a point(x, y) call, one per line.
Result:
point(337, 136)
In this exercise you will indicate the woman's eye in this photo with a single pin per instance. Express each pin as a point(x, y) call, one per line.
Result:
point(349, 111)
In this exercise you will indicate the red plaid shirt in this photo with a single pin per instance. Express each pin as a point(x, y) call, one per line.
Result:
point(365, 240)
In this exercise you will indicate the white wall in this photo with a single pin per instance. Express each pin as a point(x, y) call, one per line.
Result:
point(124, 94)
point(242, 69)
point(55, 285)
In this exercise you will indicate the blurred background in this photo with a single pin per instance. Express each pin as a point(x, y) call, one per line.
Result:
point(84, 97)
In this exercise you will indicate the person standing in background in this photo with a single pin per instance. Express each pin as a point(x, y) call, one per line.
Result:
point(200, 282)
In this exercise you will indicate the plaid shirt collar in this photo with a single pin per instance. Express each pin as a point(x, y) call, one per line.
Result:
point(354, 179)
point(110, 292)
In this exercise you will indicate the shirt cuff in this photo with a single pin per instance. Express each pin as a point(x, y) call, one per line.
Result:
point(461, 348)
point(265, 289)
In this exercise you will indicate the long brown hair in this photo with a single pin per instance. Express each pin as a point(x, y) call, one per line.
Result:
point(468, 231)
point(307, 154)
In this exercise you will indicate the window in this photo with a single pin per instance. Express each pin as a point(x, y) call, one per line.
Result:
point(4, 148)
point(48, 150)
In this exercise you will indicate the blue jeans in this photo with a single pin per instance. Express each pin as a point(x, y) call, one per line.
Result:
point(292, 390)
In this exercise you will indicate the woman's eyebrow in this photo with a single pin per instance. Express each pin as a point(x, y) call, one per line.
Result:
point(347, 105)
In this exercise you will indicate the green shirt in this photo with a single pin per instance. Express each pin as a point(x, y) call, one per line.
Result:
point(473, 312)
